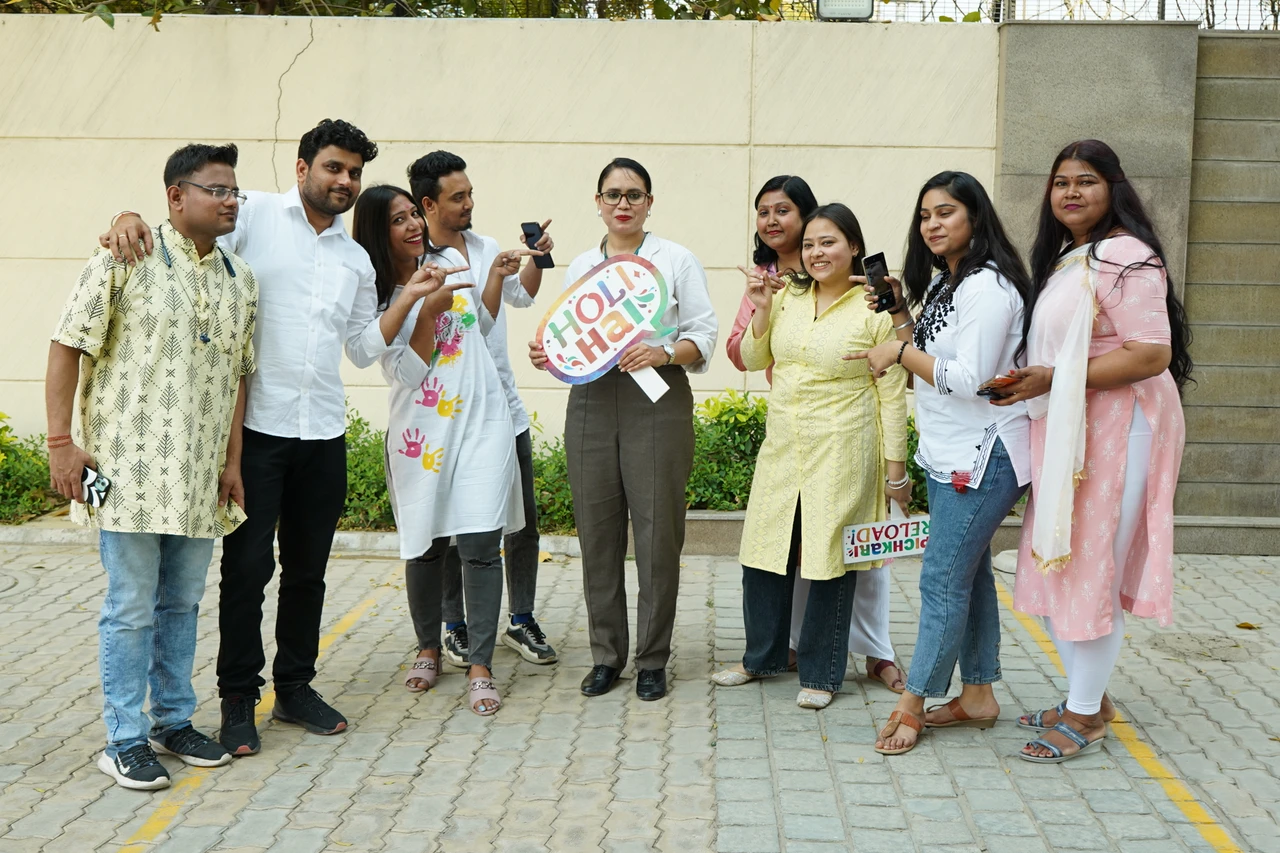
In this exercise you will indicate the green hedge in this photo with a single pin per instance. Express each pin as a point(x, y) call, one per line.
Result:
point(24, 477)
point(727, 433)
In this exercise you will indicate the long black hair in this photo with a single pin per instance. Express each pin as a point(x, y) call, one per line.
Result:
point(371, 228)
point(1126, 214)
point(847, 224)
point(990, 245)
point(797, 190)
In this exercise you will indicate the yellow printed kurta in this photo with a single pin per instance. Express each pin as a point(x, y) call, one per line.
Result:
point(165, 345)
point(828, 433)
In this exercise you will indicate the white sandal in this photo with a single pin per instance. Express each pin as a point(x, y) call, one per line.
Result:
point(814, 700)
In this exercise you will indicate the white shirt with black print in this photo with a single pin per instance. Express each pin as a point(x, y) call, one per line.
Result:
point(973, 330)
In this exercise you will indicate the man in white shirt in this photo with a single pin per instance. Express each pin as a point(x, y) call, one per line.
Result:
point(317, 298)
point(447, 202)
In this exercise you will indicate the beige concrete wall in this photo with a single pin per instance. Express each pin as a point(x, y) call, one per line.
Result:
point(865, 112)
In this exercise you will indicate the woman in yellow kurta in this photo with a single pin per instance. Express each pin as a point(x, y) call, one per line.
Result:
point(835, 443)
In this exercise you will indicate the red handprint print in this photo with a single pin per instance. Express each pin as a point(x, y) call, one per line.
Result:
point(431, 391)
point(412, 444)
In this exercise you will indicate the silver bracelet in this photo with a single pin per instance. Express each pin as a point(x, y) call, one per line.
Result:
point(910, 322)
point(898, 484)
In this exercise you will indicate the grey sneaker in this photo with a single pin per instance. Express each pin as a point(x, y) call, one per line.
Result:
point(456, 647)
point(527, 639)
point(136, 767)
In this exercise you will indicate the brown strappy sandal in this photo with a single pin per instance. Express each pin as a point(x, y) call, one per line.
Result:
point(900, 718)
point(961, 720)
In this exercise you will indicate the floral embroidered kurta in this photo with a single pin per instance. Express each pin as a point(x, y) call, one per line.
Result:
point(451, 452)
point(165, 344)
point(828, 433)
point(1077, 596)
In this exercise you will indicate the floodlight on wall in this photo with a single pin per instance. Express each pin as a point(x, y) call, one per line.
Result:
point(846, 10)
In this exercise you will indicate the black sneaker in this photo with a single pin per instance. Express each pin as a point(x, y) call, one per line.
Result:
point(239, 733)
point(527, 639)
point(136, 767)
point(192, 747)
point(457, 647)
point(304, 707)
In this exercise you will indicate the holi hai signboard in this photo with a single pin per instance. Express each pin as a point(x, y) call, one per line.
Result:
point(617, 303)
point(897, 537)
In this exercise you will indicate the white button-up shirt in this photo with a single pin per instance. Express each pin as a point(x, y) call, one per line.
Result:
point(316, 297)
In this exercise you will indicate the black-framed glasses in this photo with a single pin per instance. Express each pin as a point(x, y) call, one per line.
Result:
point(220, 193)
point(633, 197)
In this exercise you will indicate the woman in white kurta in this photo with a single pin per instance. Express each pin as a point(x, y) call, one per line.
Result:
point(451, 465)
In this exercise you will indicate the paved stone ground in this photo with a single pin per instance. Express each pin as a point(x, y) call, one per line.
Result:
point(735, 770)
point(792, 780)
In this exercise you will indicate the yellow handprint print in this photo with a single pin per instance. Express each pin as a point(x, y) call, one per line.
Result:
point(431, 458)
point(448, 408)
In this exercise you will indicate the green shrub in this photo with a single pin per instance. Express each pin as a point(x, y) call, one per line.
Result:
point(551, 485)
point(727, 433)
point(24, 477)
point(368, 504)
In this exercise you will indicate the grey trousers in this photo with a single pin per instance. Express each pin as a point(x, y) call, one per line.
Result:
point(482, 581)
point(628, 455)
point(520, 551)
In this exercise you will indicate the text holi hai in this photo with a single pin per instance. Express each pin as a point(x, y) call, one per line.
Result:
point(616, 304)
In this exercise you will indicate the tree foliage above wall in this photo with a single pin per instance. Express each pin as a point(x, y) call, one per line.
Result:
point(767, 10)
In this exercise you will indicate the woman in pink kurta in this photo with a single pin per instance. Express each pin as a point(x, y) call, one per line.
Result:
point(1107, 354)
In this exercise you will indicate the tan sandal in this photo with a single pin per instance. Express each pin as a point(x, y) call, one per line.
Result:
point(422, 670)
point(482, 688)
point(896, 719)
point(962, 719)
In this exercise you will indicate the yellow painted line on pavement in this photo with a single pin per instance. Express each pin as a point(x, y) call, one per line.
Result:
point(180, 791)
point(1200, 817)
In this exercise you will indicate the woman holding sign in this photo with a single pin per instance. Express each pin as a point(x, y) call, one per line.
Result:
point(1107, 357)
point(834, 438)
point(966, 274)
point(782, 205)
point(629, 453)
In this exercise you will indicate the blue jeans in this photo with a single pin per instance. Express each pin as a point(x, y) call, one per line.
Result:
point(959, 611)
point(147, 632)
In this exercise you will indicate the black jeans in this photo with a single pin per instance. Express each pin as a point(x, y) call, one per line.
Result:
point(823, 651)
point(302, 484)
point(520, 551)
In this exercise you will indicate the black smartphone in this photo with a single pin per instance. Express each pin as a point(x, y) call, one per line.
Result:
point(532, 234)
point(876, 271)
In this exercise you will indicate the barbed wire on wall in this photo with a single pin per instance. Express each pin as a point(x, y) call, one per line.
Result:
point(1211, 14)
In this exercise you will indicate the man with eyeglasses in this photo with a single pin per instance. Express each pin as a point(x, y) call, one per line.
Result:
point(318, 298)
point(165, 345)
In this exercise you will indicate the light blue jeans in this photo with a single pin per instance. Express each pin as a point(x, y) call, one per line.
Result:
point(147, 632)
point(959, 611)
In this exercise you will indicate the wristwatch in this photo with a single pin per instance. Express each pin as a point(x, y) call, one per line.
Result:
point(670, 350)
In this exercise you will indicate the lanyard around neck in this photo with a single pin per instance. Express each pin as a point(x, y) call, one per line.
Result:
point(605, 242)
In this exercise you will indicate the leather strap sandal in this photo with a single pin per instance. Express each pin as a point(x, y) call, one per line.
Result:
point(874, 672)
point(896, 719)
point(1035, 721)
point(1056, 756)
point(482, 688)
point(961, 719)
point(423, 670)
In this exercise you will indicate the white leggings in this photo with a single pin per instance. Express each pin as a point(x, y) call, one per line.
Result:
point(1089, 662)
point(869, 627)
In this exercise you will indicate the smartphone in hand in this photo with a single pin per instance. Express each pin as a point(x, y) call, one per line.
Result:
point(532, 234)
point(876, 271)
point(991, 388)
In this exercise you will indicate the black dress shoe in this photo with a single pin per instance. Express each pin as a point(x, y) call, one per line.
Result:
point(599, 680)
point(651, 684)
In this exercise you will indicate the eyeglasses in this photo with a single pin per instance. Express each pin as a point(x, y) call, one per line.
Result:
point(220, 193)
point(633, 197)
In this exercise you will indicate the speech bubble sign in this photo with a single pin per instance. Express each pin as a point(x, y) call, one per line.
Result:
point(617, 303)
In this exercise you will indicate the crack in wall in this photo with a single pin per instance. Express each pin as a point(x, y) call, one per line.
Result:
point(275, 129)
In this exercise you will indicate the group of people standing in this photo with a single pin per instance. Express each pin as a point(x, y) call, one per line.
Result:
point(1065, 379)
point(211, 401)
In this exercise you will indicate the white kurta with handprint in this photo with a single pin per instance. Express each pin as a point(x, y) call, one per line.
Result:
point(451, 463)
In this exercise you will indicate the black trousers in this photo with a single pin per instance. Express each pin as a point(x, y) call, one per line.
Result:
point(302, 485)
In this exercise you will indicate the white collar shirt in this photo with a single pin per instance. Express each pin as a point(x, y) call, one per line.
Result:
point(317, 297)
